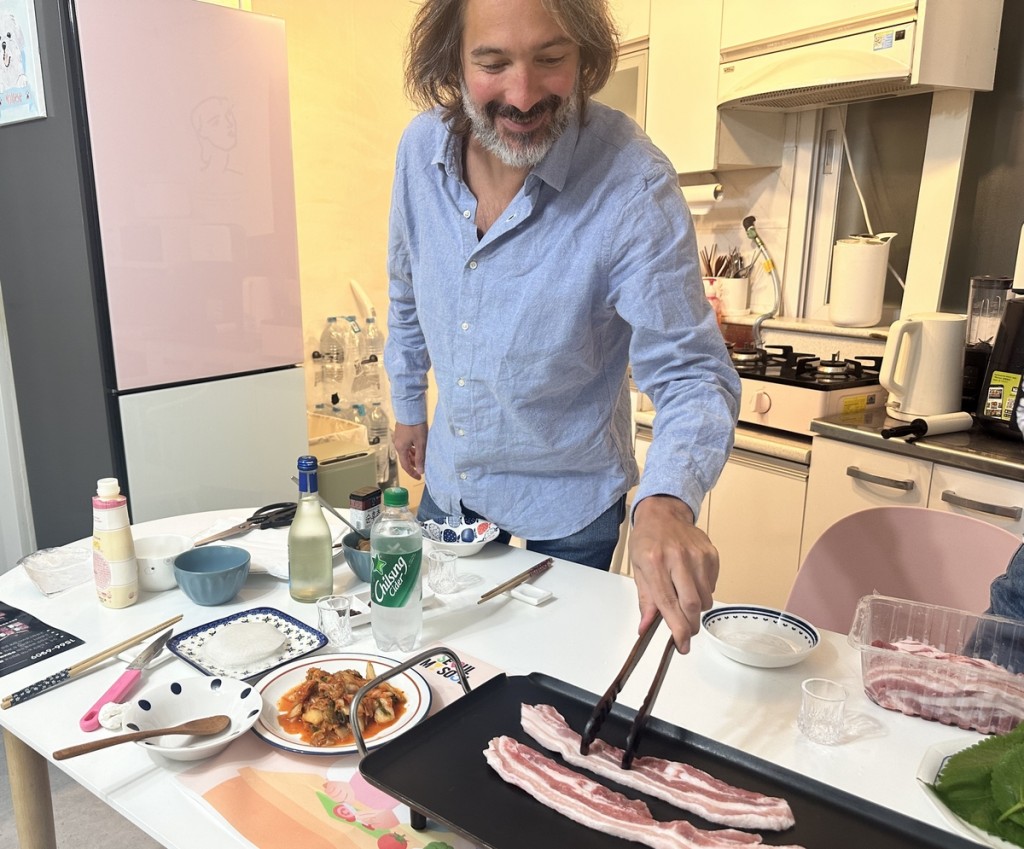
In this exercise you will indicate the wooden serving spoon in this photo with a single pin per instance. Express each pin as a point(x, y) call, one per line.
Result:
point(197, 727)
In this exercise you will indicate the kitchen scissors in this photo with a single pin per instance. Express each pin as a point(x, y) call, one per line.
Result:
point(278, 515)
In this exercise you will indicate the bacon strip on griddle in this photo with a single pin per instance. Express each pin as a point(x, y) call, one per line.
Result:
point(590, 804)
point(678, 784)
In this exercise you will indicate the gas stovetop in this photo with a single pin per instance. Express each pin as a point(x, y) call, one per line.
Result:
point(781, 364)
point(776, 383)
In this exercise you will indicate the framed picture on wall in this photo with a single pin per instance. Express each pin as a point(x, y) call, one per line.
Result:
point(21, 74)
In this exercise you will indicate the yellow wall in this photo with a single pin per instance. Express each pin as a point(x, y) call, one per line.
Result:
point(348, 112)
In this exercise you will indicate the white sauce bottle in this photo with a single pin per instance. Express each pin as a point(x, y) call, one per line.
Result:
point(113, 549)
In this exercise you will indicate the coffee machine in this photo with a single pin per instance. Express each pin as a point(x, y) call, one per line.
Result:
point(998, 407)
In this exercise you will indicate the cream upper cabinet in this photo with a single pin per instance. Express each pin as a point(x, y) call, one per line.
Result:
point(682, 95)
point(633, 18)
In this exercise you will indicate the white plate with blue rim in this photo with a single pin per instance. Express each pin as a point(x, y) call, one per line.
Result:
point(759, 636)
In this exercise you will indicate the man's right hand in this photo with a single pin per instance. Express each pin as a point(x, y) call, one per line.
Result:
point(411, 448)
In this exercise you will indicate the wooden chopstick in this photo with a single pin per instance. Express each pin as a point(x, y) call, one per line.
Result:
point(65, 675)
point(522, 577)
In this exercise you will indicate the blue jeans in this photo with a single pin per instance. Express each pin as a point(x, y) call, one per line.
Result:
point(593, 546)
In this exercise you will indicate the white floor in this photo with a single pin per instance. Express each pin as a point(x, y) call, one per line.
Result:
point(79, 817)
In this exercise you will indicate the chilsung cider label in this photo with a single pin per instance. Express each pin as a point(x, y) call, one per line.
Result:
point(394, 578)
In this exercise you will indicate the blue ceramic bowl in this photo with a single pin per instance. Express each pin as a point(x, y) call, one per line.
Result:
point(358, 561)
point(212, 574)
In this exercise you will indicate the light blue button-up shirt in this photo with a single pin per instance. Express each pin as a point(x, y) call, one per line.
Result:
point(529, 330)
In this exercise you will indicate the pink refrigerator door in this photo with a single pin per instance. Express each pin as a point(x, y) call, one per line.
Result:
point(190, 130)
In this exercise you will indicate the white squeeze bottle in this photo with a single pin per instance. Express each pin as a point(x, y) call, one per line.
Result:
point(396, 551)
point(113, 549)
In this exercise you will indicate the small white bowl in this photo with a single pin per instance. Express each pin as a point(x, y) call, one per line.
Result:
point(760, 636)
point(463, 539)
point(155, 556)
point(173, 702)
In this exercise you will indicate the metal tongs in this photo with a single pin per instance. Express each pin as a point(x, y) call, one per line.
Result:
point(604, 706)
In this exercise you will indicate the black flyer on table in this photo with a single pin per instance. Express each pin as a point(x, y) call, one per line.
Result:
point(25, 640)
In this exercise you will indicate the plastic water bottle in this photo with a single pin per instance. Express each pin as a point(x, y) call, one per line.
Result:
point(310, 568)
point(332, 362)
point(396, 552)
point(378, 434)
point(374, 361)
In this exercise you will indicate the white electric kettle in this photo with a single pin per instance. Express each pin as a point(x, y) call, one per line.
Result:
point(923, 365)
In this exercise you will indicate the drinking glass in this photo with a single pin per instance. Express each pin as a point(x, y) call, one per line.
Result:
point(821, 710)
point(334, 620)
point(442, 575)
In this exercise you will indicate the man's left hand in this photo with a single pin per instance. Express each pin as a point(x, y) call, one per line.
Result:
point(674, 564)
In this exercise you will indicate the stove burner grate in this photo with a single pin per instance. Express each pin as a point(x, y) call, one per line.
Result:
point(781, 364)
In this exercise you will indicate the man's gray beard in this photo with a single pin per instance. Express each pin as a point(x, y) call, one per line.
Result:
point(526, 152)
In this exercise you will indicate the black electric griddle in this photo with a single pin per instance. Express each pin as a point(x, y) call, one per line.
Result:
point(438, 769)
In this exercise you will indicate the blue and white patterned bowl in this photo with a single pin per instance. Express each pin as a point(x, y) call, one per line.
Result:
point(172, 702)
point(759, 636)
point(458, 536)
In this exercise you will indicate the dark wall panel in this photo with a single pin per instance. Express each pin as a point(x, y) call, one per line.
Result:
point(56, 347)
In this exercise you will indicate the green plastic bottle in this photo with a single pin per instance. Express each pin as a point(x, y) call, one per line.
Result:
point(396, 552)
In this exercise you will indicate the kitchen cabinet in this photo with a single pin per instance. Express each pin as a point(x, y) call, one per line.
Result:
point(846, 478)
point(682, 96)
point(633, 18)
point(755, 521)
point(754, 516)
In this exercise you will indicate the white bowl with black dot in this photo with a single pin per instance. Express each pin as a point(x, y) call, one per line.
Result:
point(168, 703)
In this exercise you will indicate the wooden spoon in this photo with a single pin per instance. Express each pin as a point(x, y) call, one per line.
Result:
point(197, 727)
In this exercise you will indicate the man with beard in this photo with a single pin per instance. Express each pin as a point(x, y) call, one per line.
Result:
point(539, 245)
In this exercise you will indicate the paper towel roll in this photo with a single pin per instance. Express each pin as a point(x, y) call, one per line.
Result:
point(857, 282)
point(701, 198)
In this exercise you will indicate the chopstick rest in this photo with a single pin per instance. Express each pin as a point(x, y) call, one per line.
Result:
point(530, 594)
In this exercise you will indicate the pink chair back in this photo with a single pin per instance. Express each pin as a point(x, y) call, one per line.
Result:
point(914, 553)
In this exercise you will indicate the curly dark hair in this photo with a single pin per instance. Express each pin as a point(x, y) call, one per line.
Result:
point(433, 60)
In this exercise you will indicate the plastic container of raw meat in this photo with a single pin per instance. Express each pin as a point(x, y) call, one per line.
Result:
point(940, 663)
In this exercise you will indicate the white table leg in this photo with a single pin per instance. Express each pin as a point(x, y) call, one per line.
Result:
point(29, 781)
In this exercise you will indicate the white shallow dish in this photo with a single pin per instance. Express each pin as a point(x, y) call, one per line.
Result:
point(760, 636)
point(302, 639)
point(934, 760)
point(273, 686)
point(171, 703)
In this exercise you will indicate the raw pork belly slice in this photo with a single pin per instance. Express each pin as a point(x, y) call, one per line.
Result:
point(679, 784)
point(590, 804)
point(967, 692)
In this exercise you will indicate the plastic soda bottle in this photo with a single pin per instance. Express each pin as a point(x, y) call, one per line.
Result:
point(310, 568)
point(113, 549)
point(396, 597)
point(333, 363)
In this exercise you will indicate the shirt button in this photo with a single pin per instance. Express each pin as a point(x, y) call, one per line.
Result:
point(472, 264)
point(462, 475)
point(466, 213)
point(464, 325)
point(461, 432)
point(461, 381)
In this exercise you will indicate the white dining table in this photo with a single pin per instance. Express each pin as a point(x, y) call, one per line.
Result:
point(581, 636)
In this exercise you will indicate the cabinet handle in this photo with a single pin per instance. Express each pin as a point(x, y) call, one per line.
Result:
point(951, 497)
point(892, 483)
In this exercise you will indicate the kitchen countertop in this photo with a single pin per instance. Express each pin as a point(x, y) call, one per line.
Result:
point(975, 450)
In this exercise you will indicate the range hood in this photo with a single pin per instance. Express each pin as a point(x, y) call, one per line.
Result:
point(930, 45)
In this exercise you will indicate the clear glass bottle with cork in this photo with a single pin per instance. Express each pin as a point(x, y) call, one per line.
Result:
point(114, 566)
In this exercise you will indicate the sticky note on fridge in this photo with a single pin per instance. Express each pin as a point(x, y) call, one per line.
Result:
point(530, 594)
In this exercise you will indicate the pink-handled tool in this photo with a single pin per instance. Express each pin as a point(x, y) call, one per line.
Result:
point(123, 685)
